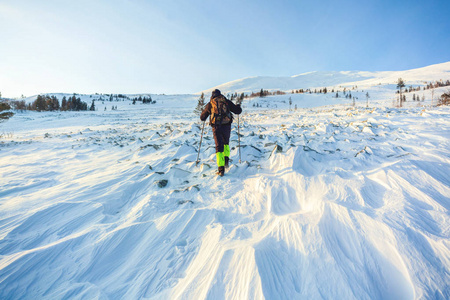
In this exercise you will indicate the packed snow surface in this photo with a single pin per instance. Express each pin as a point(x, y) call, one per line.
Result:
point(332, 202)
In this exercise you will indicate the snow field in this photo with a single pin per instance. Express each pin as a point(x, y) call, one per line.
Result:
point(328, 202)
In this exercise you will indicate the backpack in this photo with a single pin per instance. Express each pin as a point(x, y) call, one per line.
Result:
point(220, 112)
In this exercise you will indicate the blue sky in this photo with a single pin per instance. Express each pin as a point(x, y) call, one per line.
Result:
point(174, 46)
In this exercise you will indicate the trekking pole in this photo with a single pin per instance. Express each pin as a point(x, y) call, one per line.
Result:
point(201, 138)
point(239, 141)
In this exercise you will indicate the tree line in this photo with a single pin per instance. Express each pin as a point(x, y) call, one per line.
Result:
point(262, 93)
point(443, 100)
point(51, 103)
point(427, 86)
point(144, 100)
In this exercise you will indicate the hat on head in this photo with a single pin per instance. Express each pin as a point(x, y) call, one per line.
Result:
point(215, 93)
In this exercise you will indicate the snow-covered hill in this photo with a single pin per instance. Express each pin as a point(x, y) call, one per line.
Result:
point(336, 79)
point(328, 202)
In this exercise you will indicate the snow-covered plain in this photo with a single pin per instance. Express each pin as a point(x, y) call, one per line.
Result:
point(328, 202)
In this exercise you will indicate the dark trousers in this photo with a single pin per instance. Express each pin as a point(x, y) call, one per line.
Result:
point(221, 136)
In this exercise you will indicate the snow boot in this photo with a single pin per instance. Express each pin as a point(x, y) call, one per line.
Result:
point(221, 171)
point(226, 153)
point(220, 163)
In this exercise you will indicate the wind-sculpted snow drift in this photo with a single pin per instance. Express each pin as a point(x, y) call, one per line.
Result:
point(333, 203)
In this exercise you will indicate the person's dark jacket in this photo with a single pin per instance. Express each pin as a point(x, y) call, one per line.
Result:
point(236, 109)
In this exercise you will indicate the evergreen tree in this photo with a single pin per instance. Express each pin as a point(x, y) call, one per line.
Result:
point(40, 103)
point(148, 100)
point(92, 108)
point(70, 104)
point(52, 103)
point(48, 103)
point(400, 85)
point(56, 103)
point(64, 104)
point(200, 104)
point(5, 115)
point(240, 99)
point(20, 105)
point(444, 99)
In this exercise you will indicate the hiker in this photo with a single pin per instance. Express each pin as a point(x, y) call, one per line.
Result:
point(219, 110)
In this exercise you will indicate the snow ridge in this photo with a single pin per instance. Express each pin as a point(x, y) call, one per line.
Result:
point(335, 79)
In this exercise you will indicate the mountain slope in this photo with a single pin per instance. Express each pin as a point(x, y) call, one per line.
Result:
point(335, 79)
